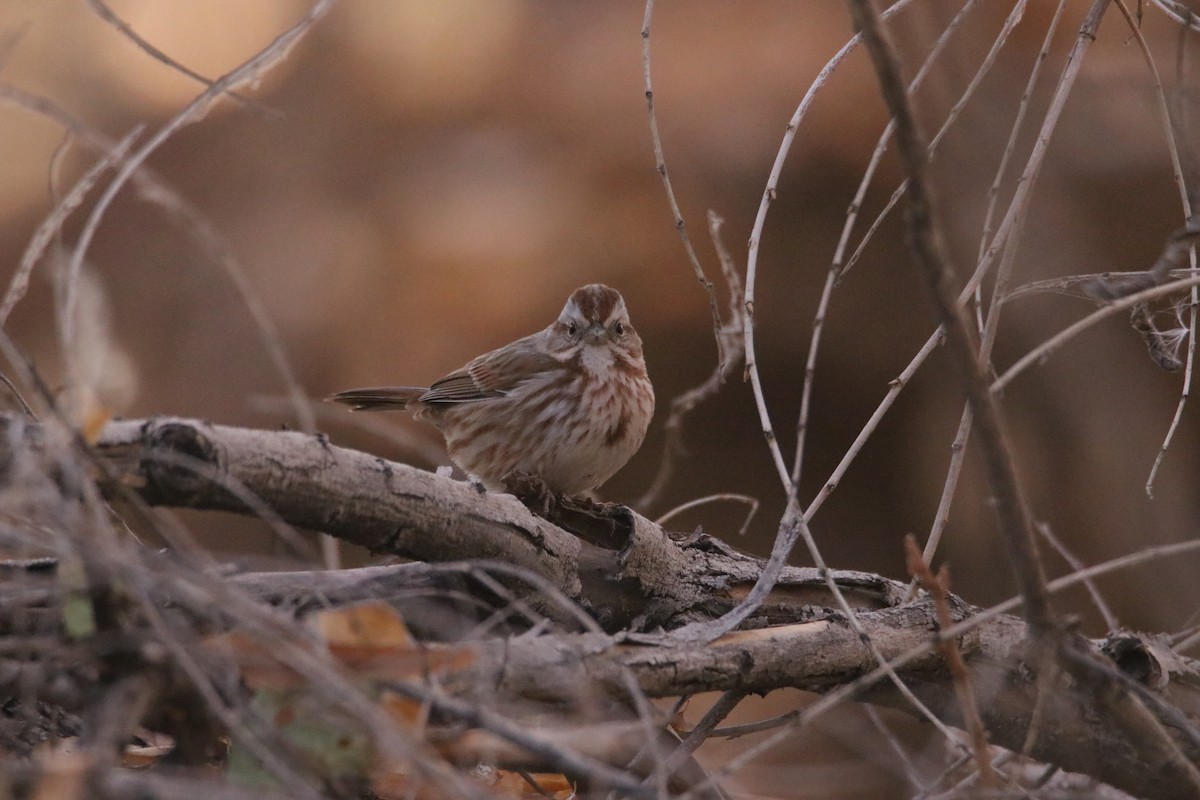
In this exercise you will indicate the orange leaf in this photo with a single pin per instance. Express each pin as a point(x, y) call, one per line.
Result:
point(372, 639)
point(401, 708)
point(259, 666)
point(373, 624)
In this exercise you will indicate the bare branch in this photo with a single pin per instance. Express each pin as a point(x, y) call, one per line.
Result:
point(925, 240)
point(729, 338)
point(108, 15)
point(660, 165)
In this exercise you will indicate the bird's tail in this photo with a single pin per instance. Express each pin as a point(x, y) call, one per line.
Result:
point(380, 398)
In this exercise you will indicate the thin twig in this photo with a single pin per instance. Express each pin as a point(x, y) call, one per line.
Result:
point(655, 736)
point(787, 724)
point(1048, 672)
point(1110, 619)
point(1025, 186)
point(279, 527)
point(731, 335)
point(1180, 12)
point(791, 528)
point(1169, 128)
point(794, 524)
point(18, 285)
point(108, 15)
point(1091, 285)
point(752, 502)
point(1016, 522)
point(1010, 148)
point(1138, 708)
point(1188, 642)
point(25, 407)
point(156, 190)
point(561, 758)
point(660, 165)
point(698, 735)
point(543, 586)
point(939, 588)
point(956, 792)
point(1039, 354)
point(760, 219)
point(193, 111)
point(204, 591)
point(985, 66)
point(958, 449)
point(833, 275)
point(793, 720)
point(108, 555)
point(896, 746)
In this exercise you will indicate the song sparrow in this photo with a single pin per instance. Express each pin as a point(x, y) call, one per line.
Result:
point(569, 404)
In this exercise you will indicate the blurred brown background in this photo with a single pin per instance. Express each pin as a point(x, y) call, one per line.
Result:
point(430, 180)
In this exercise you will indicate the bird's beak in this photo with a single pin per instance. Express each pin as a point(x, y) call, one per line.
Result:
point(595, 333)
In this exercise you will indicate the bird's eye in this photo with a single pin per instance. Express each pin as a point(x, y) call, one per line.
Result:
point(572, 328)
point(619, 328)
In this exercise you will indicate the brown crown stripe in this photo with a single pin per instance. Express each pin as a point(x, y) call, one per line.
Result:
point(596, 302)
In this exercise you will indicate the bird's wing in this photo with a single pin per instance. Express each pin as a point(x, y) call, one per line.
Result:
point(493, 374)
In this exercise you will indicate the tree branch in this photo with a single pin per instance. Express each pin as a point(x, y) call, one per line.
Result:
point(631, 574)
point(617, 564)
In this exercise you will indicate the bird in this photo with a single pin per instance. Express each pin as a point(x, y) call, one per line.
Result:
point(568, 405)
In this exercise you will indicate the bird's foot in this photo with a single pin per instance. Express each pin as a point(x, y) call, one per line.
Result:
point(531, 490)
